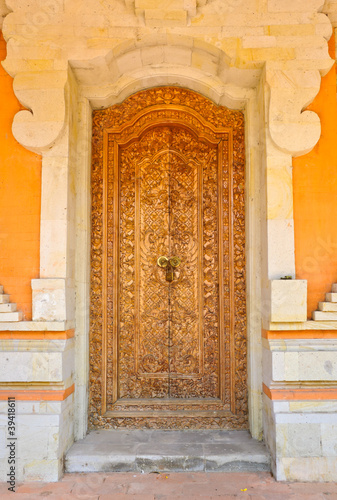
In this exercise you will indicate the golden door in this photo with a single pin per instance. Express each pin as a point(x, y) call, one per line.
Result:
point(168, 294)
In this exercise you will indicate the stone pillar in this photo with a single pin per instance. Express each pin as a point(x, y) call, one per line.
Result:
point(38, 365)
point(53, 293)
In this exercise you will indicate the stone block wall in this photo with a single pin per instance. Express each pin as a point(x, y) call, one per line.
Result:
point(302, 436)
point(300, 404)
point(37, 373)
point(44, 432)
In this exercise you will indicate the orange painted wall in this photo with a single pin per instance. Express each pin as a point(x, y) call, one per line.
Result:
point(315, 199)
point(20, 203)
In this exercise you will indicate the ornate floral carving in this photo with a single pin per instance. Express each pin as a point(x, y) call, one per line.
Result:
point(179, 342)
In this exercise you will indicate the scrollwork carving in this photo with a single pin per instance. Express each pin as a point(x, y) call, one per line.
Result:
point(171, 345)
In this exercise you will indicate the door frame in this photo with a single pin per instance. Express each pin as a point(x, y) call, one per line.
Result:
point(80, 149)
point(223, 128)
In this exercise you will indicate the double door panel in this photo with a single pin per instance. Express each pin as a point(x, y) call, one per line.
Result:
point(168, 348)
point(168, 330)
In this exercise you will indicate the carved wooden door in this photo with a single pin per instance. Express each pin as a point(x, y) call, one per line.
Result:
point(172, 345)
point(169, 347)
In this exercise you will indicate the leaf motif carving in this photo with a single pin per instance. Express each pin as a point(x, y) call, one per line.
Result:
point(169, 142)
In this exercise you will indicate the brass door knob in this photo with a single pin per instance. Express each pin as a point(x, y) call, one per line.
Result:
point(175, 261)
point(162, 261)
point(169, 264)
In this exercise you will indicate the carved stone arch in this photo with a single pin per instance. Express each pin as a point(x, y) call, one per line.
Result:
point(133, 66)
point(292, 85)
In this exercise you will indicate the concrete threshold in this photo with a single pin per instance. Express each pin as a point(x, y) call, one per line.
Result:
point(167, 451)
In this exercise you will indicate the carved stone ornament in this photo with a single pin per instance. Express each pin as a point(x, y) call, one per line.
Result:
point(168, 179)
point(227, 42)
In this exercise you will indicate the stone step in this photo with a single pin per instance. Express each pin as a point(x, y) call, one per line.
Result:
point(167, 451)
point(10, 316)
point(334, 288)
point(9, 307)
point(4, 298)
point(324, 316)
point(331, 297)
point(327, 306)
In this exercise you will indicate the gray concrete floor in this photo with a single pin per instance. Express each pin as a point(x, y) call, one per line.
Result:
point(167, 451)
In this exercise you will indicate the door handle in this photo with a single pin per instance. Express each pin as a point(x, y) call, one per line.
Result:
point(175, 261)
point(169, 264)
point(163, 261)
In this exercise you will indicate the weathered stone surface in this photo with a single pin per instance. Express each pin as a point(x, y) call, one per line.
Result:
point(149, 451)
point(58, 33)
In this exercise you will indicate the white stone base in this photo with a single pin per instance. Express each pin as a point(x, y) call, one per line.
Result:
point(44, 432)
point(53, 299)
point(301, 433)
point(288, 301)
point(39, 373)
point(302, 438)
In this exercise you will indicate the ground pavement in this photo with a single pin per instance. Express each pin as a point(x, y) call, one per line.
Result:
point(171, 486)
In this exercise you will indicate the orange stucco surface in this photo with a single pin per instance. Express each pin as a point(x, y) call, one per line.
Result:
point(20, 201)
point(315, 199)
point(314, 184)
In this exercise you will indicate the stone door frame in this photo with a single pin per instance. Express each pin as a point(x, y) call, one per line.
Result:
point(223, 131)
point(253, 239)
point(64, 66)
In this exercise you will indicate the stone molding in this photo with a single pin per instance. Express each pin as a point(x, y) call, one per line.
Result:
point(3, 12)
point(44, 37)
point(37, 326)
point(330, 8)
point(293, 130)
